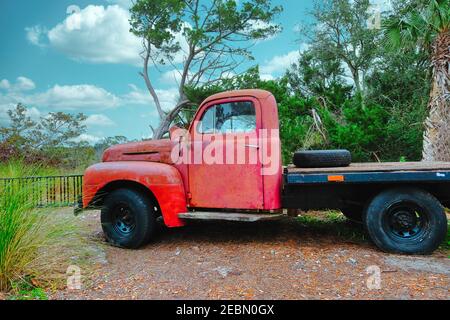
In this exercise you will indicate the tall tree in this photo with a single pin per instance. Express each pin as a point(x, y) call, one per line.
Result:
point(426, 25)
point(319, 74)
point(340, 30)
point(18, 128)
point(214, 36)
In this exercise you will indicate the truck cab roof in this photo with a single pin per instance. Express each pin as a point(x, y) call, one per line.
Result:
point(256, 93)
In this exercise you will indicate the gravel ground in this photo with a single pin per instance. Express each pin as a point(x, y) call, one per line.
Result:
point(274, 260)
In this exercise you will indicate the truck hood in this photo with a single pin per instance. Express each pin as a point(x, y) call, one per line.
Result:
point(152, 151)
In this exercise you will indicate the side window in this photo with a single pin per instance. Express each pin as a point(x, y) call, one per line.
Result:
point(206, 125)
point(235, 117)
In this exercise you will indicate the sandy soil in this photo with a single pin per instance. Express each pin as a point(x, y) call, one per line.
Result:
point(274, 260)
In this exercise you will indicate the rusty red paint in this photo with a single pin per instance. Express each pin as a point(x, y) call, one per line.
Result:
point(221, 185)
point(241, 190)
point(163, 180)
point(149, 163)
point(151, 151)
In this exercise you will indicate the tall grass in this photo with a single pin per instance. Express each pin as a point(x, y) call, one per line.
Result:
point(27, 235)
point(19, 169)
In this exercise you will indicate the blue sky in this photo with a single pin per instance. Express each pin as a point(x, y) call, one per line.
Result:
point(49, 65)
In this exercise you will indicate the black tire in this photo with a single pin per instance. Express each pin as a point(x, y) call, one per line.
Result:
point(406, 221)
point(128, 218)
point(354, 214)
point(322, 159)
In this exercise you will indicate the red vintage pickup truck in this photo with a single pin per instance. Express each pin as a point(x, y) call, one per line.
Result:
point(227, 166)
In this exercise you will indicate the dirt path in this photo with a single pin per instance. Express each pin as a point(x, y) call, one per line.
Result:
point(281, 260)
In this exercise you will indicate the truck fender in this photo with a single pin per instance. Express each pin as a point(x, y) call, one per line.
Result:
point(162, 180)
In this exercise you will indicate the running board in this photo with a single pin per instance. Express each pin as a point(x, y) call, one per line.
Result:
point(229, 216)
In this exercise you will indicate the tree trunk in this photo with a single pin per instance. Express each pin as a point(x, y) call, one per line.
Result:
point(436, 142)
point(357, 80)
point(168, 118)
point(165, 123)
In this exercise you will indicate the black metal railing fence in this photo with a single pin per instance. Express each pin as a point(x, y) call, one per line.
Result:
point(54, 191)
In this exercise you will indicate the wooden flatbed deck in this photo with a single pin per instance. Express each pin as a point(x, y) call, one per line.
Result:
point(377, 167)
point(407, 172)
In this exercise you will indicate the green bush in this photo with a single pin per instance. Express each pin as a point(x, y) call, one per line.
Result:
point(375, 133)
point(28, 236)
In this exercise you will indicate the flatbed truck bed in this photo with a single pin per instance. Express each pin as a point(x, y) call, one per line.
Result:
point(410, 172)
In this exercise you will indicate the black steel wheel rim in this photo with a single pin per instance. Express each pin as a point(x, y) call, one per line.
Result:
point(123, 220)
point(405, 220)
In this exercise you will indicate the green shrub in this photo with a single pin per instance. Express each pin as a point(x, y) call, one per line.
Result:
point(22, 233)
point(28, 237)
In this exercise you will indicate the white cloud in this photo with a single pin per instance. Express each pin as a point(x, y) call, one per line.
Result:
point(279, 64)
point(258, 25)
point(76, 97)
point(123, 3)
point(62, 98)
point(297, 28)
point(80, 98)
point(24, 84)
point(33, 113)
point(97, 34)
point(21, 84)
point(168, 98)
point(266, 77)
point(91, 139)
point(35, 34)
point(172, 77)
point(5, 84)
point(99, 120)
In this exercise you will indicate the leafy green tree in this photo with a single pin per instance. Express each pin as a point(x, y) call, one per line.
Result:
point(15, 134)
point(156, 23)
point(426, 25)
point(319, 74)
point(399, 78)
point(341, 34)
point(215, 37)
point(50, 139)
point(57, 129)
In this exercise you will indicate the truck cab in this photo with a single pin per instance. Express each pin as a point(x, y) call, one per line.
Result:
point(227, 166)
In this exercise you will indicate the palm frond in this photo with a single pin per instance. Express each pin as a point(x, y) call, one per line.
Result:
point(417, 26)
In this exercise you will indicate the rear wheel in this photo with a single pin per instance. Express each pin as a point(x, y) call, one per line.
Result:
point(406, 220)
point(128, 218)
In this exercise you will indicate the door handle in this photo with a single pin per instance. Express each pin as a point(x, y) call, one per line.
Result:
point(252, 146)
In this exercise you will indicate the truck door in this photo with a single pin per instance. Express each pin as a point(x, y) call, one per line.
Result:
point(225, 132)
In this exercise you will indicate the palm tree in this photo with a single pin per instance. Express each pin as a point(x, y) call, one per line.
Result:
point(426, 24)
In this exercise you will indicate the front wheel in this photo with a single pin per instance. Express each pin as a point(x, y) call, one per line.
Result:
point(128, 218)
point(406, 221)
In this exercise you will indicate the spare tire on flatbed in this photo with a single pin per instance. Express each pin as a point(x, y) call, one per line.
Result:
point(322, 159)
